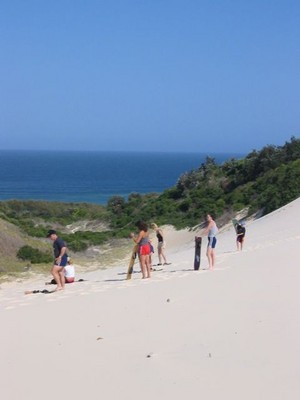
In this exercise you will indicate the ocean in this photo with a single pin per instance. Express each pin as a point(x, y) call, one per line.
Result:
point(92, 177)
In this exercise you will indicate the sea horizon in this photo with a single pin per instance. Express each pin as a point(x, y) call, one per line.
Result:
point(94, 176)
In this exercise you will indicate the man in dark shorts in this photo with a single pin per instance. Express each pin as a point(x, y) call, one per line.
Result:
point(240, 236)
point(60, 259)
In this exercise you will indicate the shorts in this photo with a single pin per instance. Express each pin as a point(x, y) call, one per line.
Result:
point(240, 239)
point(69, 280)
point(63, 261)
point(161, 245)
point(144, 249)
point(212, 241)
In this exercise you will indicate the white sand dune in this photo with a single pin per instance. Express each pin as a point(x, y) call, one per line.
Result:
point(232, 333)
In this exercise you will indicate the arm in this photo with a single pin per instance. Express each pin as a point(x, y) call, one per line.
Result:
point(138, 238)
point(209, 226)
point(62, 249)
point(240, 232)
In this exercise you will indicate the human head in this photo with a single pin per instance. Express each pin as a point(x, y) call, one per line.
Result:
point(209, 217)
point(142, 226)
point(154, 226)
point(51, 234)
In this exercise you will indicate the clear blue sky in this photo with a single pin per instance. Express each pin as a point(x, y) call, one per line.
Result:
point(174, 75)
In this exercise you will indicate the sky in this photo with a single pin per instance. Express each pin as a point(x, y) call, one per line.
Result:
point(149, 75)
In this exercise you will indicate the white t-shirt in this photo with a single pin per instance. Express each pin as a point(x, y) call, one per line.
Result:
point(69, 271)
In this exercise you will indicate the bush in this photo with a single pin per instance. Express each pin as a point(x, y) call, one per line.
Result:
point(35, 256)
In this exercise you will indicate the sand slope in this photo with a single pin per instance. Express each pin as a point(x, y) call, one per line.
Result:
point(231, 333)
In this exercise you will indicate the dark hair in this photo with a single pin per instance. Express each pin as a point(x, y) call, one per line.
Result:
point(142, 226)
point(51, 232)
point(211, 215)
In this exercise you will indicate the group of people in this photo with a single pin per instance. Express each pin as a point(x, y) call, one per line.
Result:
point(212, 230)
point(63, 270)
point(145, 248)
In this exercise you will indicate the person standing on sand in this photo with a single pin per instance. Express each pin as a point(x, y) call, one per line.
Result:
point(211, 231)
point(240, 235)
point(60, 259)
point(144, 248)
point(160, 245)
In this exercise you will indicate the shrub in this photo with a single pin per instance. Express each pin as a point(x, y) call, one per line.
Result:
point(35, 256)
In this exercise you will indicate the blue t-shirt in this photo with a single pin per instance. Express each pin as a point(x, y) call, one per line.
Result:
point(58, 244)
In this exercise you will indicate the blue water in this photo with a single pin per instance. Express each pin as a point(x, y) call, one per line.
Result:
point(92, 177)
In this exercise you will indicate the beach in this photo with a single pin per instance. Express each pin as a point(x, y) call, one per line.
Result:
point(231, 333)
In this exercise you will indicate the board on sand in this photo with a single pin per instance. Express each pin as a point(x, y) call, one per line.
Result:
point(198, 241)
point(53, 282)
point(45, 291)
point(235, 223)
point(132, 261)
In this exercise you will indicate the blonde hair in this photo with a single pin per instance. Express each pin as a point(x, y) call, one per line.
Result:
point(154, 226)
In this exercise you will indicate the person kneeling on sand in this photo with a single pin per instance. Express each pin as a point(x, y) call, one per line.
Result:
point(69, 273)
point(60, 259)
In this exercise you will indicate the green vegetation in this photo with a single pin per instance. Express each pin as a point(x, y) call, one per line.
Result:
point(28, 213)
point(263, 181)
point(35, 256)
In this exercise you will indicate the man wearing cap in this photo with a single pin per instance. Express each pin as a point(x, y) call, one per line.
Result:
point(60, 259)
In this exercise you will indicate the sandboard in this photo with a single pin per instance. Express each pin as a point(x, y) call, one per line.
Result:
point(235, 223)
point(45, 291)
point(198, 242)
point(132, 261)
point(53, 282)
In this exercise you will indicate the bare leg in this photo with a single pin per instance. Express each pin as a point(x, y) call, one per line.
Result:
point(209, 257)
point(62, 278)
point(213, 257)
point(143, 266)
point(163, 256)
point(148, 266)
point(159, 255)
point(55, 271)
point(150, 261)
